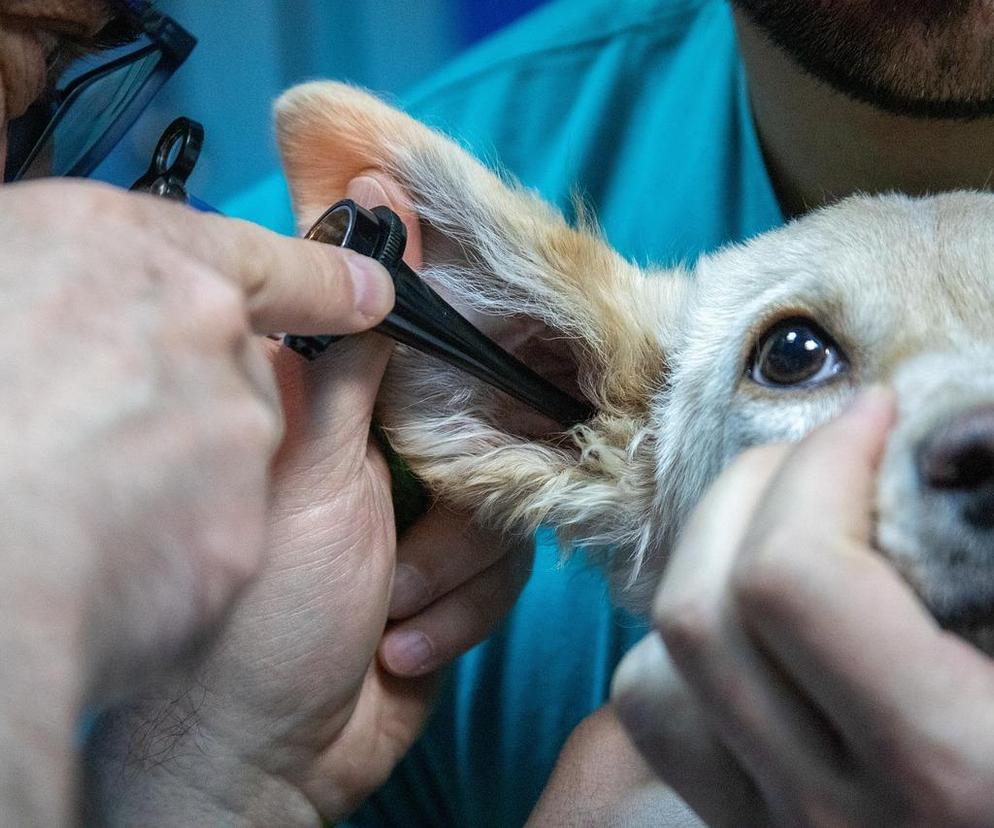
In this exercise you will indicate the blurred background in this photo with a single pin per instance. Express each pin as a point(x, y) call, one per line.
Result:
point(250, 51)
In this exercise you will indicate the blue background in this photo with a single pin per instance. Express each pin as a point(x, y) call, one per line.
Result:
point(249, 52)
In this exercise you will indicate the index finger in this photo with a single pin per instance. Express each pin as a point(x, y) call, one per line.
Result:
point(289, 284)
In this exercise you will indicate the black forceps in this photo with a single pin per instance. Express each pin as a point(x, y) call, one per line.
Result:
point(420, 318)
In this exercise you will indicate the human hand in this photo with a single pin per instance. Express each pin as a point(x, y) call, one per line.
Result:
point(310, 722)
point(139, 420)
point(802, 682)
point(289, 715)
point(292, 716)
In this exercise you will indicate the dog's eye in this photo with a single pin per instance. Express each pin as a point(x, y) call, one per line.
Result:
point(796, 351)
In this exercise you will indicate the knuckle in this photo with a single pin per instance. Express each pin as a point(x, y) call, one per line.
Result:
point(221, 298)
point(109, 203)
point(255, 428)
point(225, 525)
point(648, 676)
point(763, 577)
point(689, 626)
point(236, 564)
point(255, 258)
point(213, 306)
point(270, 402)
point(232, 553)
point(75, 203)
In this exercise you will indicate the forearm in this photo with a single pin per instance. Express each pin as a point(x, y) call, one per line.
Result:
point(38, 773)
point(38, 780)
point(155, 764)
point(39, 702)
point(600, 779)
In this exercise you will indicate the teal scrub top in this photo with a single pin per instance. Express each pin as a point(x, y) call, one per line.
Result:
point(639, 106)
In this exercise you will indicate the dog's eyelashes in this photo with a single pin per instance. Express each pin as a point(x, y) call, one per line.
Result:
point(795, 352)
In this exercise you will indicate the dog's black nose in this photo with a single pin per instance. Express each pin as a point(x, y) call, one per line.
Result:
point(957, 458)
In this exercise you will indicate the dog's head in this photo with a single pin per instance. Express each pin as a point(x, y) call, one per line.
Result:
point(759, 343)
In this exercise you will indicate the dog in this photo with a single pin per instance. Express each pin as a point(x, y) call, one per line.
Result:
point(687, 367)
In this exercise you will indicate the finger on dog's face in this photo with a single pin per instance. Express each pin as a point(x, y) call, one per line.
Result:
point(761, 719)
point(709, 543)
point(671, 732)
point(842, 623)
point(825, 488)
point(806, 552)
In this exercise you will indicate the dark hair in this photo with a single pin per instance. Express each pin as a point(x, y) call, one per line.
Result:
point(123, 26)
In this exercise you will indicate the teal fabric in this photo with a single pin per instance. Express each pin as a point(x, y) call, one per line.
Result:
point(639, 107)
point(267, 203)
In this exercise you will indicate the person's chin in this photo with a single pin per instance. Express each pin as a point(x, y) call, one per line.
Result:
point(893, 57)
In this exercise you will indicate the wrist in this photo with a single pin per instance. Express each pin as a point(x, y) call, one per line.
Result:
point(45, 678)
point(40, 701)
point(154, 762)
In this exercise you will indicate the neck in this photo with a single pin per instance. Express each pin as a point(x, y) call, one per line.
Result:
point(820, 145)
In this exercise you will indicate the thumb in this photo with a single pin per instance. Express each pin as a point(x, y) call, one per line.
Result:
point(331, 399)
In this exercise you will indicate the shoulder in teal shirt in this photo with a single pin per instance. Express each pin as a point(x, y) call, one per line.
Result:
point(640, 108)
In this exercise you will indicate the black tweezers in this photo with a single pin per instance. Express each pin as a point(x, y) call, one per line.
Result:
point(420, 318)
point(425, 321)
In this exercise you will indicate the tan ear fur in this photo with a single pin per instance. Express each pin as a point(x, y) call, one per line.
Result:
point(501, 251)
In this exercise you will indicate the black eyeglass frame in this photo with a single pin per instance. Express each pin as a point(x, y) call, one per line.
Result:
point(172, 41)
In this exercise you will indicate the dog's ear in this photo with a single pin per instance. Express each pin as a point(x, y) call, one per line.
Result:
point(498, 250)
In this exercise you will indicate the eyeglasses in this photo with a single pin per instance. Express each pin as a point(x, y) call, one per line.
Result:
point(73, 128)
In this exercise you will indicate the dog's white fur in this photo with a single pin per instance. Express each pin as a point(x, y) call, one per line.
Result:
point(904, 286)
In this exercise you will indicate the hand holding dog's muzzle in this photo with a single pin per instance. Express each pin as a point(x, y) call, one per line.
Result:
point(802, 682)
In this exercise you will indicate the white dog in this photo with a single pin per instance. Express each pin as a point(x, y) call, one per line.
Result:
point(758, 343)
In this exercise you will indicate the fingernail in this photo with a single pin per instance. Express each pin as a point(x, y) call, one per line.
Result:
point(644, 661)
point(372, 287)
point(410, 591)
point(407, 653)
